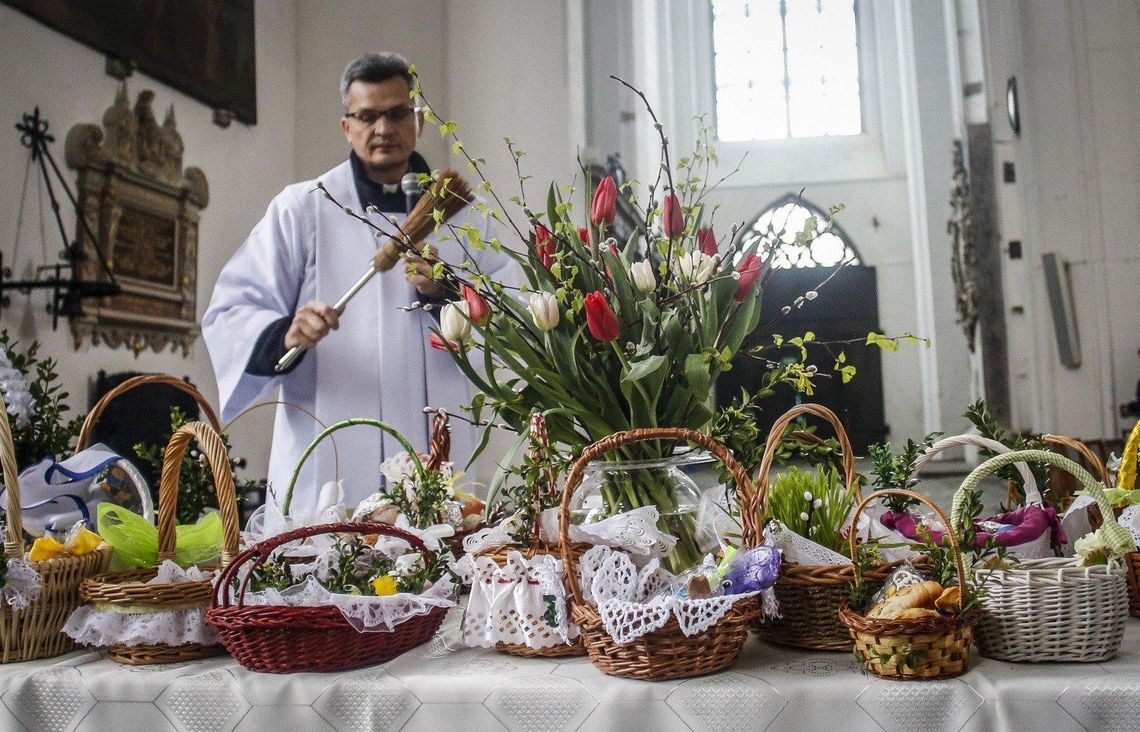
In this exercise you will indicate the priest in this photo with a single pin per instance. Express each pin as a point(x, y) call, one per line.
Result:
point(373, 360)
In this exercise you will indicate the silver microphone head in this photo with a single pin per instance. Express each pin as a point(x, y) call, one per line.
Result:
point(410, 184)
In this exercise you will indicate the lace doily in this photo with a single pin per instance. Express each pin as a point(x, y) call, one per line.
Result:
point(522, 602)
point(1130, 520)
point(364, 613)
point(633, 531)
point(799, 550)
point(22, 584)
point(90, 627)
point(630, 607)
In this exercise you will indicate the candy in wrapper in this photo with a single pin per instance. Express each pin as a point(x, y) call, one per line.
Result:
point(751, 570)
point(903, 576)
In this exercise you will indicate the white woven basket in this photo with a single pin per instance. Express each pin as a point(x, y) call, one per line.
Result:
point(1051, 609)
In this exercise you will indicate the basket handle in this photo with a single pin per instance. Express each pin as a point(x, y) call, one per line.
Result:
point(1126, 476)
point(14, 529)
point(1086, 453)
point(261, 551)
point(775, 436)
point(384, 426)
point(750, 524)
point(215, 451)
point(268, 402)
point(439, 449)
point(1119, 540)
point(950, 532)
point(1032, 492)
point(538, 429)
point(135, 381)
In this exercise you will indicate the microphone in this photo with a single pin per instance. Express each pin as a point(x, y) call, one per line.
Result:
point(410, 185)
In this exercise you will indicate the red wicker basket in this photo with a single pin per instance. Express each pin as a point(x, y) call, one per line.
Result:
point(279, 639)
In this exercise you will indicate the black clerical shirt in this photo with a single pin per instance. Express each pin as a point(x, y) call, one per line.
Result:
point(270, 346)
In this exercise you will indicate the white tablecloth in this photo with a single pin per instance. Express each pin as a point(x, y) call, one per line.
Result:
point(444, 687)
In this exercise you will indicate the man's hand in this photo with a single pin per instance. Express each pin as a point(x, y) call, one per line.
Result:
point(419, 273)
point(310, 324)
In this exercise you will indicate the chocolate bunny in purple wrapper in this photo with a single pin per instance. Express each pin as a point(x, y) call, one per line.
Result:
point(750, 570)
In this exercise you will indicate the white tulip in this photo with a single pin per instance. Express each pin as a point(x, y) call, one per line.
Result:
point(696, 266)
point(642, 274)
point(544, 310)
point(453, 322)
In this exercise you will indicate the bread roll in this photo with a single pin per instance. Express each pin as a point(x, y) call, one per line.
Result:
point(950, 599)
point(911, 596)
point(916, 612)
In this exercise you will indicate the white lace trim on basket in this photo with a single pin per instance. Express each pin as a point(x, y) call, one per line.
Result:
point(91, 627)
point(799, 550)
point(516, 602)
point(633, 531)
point(628, 603)
point(22, 584)
point(365, 613)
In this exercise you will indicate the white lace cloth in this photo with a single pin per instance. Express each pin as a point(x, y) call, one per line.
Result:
point(799, 550)
point(365, 613)
point(22, 584)
point(516, 602)
point(868, 524)
point(628, 602)
point(633, 531)
point(91, 627)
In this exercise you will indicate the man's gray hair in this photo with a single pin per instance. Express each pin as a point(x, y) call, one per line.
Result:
point(374, 68)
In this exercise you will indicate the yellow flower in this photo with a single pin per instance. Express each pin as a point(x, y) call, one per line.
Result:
point(385, 585)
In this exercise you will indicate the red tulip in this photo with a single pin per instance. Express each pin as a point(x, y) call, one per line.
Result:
point(706, 241)
point(600, 318)
point(584, 234)
point(438, 343)
point(605, 202)
point(749, 271)
point(544, 245)
point(673, 221)
point(477, 308)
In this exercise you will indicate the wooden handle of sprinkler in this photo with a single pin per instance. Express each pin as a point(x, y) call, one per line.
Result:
point(383, 260)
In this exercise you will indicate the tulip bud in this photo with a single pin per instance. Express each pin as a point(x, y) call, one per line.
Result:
point(600, 318)
point(584, 234)
point(605, 202)
point(673, 221)
point(453, 322)
point(642, 274)
point(696, 267)
point(544, 310)
point(749, 271)
point(706, 241)
point(477, 306)
point(437, 342)
point(544, 245)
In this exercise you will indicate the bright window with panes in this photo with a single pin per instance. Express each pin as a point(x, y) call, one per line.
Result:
point(786, 69)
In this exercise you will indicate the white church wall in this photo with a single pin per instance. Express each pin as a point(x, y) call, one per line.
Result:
point(246, 166)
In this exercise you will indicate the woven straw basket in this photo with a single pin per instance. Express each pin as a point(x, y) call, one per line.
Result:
point(911, 648)
point(279, 639)
point(809, 594)
point(1050, 609)
point(128, 591)
point(34, 632)
point(666, 653)
point(538, 547)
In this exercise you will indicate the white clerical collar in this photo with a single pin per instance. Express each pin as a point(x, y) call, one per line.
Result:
point(390, 187)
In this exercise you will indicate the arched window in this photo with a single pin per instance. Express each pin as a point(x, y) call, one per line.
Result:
point(780, 222)
point(786, 68)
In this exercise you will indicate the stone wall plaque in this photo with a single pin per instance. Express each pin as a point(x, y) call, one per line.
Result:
point(144, 207)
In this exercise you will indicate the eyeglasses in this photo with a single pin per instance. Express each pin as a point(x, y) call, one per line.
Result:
point(396, 115)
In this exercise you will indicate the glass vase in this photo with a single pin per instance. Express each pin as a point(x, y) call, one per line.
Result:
point(612, 487)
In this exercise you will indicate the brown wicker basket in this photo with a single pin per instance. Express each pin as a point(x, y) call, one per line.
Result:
point(809, 594)
point(34, 632)
point(129, 592)
point(134, 382)
point(666, 653)
point(912, 648)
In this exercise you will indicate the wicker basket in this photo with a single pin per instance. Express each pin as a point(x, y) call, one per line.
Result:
point(1050, 609)
point(134, 382)
point(912, 648)
point(665, 653)
point(279, 639)
point(809, 594)
point(34, 632)
point(129, 592)
point(1126, 478)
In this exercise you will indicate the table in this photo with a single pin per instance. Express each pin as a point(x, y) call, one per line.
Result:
point(442, 686)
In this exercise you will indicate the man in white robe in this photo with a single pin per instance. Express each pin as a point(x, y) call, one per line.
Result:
point(372, 361)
